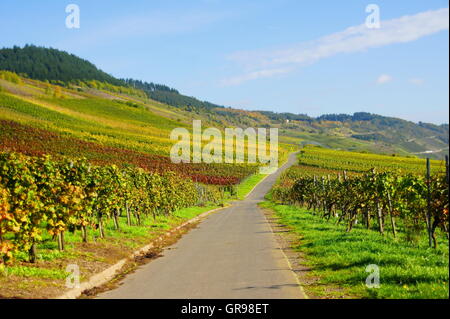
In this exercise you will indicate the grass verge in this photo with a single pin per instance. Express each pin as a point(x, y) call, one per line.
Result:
point(339, 259)
point(248, 184)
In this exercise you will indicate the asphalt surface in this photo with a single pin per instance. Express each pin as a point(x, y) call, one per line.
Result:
point(232, 254)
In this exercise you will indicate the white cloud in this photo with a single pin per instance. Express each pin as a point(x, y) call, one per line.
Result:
point(353, 39)
point(253, 75)
point(416, 81)
point(384, 78)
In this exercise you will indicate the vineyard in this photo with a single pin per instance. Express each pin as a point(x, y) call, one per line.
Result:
point(419, 203)
point(348, 210)
point(103, 127)
point(40, 194)
point(78, 158)
point(85, 172)
point(376, 197)
point(339, 160)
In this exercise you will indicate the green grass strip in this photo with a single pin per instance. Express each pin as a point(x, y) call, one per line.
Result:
point(340, 259)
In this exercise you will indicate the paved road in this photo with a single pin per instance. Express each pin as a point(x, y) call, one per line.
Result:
point(231, 254)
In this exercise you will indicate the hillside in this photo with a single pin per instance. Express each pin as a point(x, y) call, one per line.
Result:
point(422, 139)
point(82, 80)
point(52, 65)
point(39, 118)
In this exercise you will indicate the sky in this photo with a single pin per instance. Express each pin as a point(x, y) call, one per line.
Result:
point(308, 57)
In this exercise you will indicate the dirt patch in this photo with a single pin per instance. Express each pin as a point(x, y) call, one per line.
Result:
point(18, 287)
point(20, 90)
point(88, 258)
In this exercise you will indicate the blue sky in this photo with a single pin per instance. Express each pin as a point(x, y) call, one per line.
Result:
point(284, 55)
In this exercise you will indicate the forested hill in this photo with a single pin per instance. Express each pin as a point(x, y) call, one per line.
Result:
point(360, 131)
point(50, 64)
point(170, 96)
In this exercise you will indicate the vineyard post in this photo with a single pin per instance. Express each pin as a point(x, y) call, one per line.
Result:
point(139, 216)
point(314, 195)
point(136, 216)
point(324, 203)
point(367, 212)
point(128, 214)
point(61, 241)
point(391, 213)
point(115, 218)
point(84, 233)
point(58, 237)
point(330, 207)
point(100, 226)
point(343, 207)
point(430, 233)
point(379, 206)
point(32, 252)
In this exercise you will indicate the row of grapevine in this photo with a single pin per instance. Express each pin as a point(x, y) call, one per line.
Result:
point(32, 141)
point(416, 201)
point(43, 194)
point(360, 162)
point(10, 76)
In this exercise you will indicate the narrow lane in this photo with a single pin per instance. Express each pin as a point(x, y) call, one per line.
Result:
point(231, 254)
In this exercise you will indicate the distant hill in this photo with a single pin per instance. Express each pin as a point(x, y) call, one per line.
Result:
point(50, 64)
point(411, 136)
point(361, 131)
point(170, 96)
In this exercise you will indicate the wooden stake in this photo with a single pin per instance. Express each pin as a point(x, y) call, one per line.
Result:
point(380, 217)
point(32, 253)
point(115, 218)
point(61, 241)
point(128, 214)
point(84, 234)
point(429, 227)
point(394, 230)
point(100, 228)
